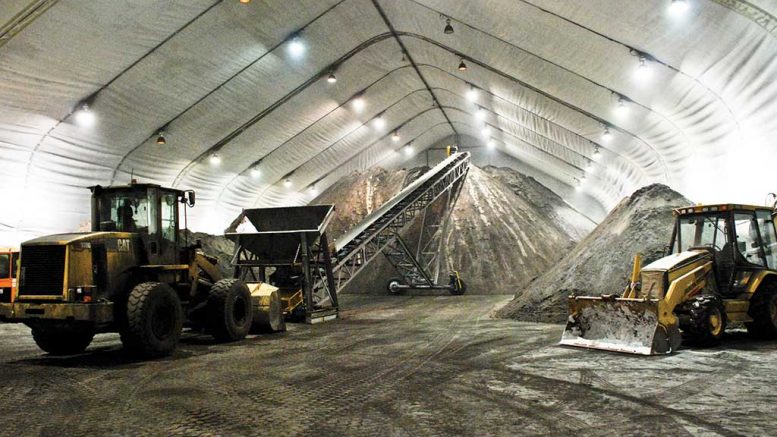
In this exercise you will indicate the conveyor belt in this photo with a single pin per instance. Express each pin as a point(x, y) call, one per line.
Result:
point(379, 229)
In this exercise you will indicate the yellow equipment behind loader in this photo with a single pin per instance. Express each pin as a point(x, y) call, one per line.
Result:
point(721, 269)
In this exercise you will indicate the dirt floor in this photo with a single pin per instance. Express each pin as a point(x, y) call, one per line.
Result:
point(393, 365)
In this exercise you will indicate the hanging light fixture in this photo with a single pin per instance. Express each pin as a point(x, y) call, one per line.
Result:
point(296, 47)
point(287, 183)
point(160, 137)
point(491, 144)
point(408, 150)
point(597, 154)
point(472, 93)
point(643, 71)
point(480, 114)
point(395, 136)
point(84, 116)
point(486, 131)
point(245, 2)
point(331, 78)
point(621, 109)
point(215, 159)
point(358, 103)
point(607, 136)
point(579, 186)
point(379, 122)
point(448, 28)
point(678, 7)
point(256, 172)
point(589, 166)
point(462, 65)
point(313, 190)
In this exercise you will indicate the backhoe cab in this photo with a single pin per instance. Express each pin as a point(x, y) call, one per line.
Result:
point(131, 275)
point(721, 269)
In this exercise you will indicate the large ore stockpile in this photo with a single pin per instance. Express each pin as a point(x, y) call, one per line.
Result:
point(601, 263)
point(213, 245)
point(497, 240)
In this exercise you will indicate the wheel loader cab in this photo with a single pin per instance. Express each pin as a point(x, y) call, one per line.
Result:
point(742, 241)
point(148, 210)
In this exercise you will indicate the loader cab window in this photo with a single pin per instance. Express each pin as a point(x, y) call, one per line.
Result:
point(125, 211)
point(168, 216)
point(5, 266)
point(766, 225)
point(747, 244)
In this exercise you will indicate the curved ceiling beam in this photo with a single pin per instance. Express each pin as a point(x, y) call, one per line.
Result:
point(410, 58)
point(385, 36)
point(24, 18)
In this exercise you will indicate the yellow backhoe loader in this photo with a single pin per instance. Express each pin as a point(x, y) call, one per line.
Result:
point(721, 269)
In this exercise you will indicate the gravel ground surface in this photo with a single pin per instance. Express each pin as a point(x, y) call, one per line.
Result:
point(393, 365)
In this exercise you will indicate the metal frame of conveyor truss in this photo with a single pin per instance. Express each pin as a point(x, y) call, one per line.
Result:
point(431, 197)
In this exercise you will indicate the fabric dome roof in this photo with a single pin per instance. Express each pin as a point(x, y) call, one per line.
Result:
point(222, 77)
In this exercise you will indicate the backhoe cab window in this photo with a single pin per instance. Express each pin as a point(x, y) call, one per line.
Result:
point(747, 238)
point(702, 231)
point(122, 211)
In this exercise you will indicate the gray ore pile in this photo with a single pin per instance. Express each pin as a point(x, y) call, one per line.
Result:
point(602, 262)
point(500, 237)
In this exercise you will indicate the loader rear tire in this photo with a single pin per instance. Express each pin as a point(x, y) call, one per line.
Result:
point(229, 310)
point(61, 340)
point(763, 310)
point(707, 322)
point(154, 320)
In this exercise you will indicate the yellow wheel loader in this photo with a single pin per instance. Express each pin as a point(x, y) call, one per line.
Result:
point(132, 275)
point(721, 270)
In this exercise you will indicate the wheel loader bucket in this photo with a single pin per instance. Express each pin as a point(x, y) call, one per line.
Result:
point(620, 325)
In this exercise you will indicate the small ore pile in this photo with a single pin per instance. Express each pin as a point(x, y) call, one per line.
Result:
point(499, 238)
point(212, 245)
point(601, 263)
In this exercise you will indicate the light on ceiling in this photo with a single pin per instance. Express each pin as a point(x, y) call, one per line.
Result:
point(643, 71)
point(621, 109)
point(491, 144)
point(215, 159)
point(607, 136)
point(379, 122)
point(313, 190)
point(255, 172)
point(395, 136)
point(597, 154)
point(579, 186)
point(287, 183)
point(245, 2)
point(408, 150)
point(84, 116)
point(462, 65)
point(160, 138)
point(582, 179)
point(589, 166)
point(472, 93)
point(296, 47)
point(480, 114)
point(331, 78)
point(678, 7)
point(448, 28)
point(486, 131)
point(358, 103)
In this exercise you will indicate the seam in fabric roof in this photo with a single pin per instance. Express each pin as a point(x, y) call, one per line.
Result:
point(24, 18)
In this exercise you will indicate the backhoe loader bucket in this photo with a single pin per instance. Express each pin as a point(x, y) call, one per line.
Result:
point(620, 325)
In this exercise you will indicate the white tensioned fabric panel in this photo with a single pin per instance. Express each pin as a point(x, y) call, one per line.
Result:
point(218, 76)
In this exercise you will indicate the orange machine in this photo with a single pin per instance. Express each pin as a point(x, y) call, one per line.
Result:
point(9, 259)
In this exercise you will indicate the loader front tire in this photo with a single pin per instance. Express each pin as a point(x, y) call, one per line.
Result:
point(707, 321)
point(763, 310)
point(62, 340)
point(229, 310)
point(154, 320)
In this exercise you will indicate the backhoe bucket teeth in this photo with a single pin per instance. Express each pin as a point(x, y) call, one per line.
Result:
point(619, 325)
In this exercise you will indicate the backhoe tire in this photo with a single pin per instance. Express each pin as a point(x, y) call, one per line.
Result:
point(763, 310)
point(707, 322)
point(229, 310)
point(154, 320)
point(62, 340)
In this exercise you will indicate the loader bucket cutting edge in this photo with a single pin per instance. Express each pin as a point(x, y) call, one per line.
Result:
point(619, 325)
